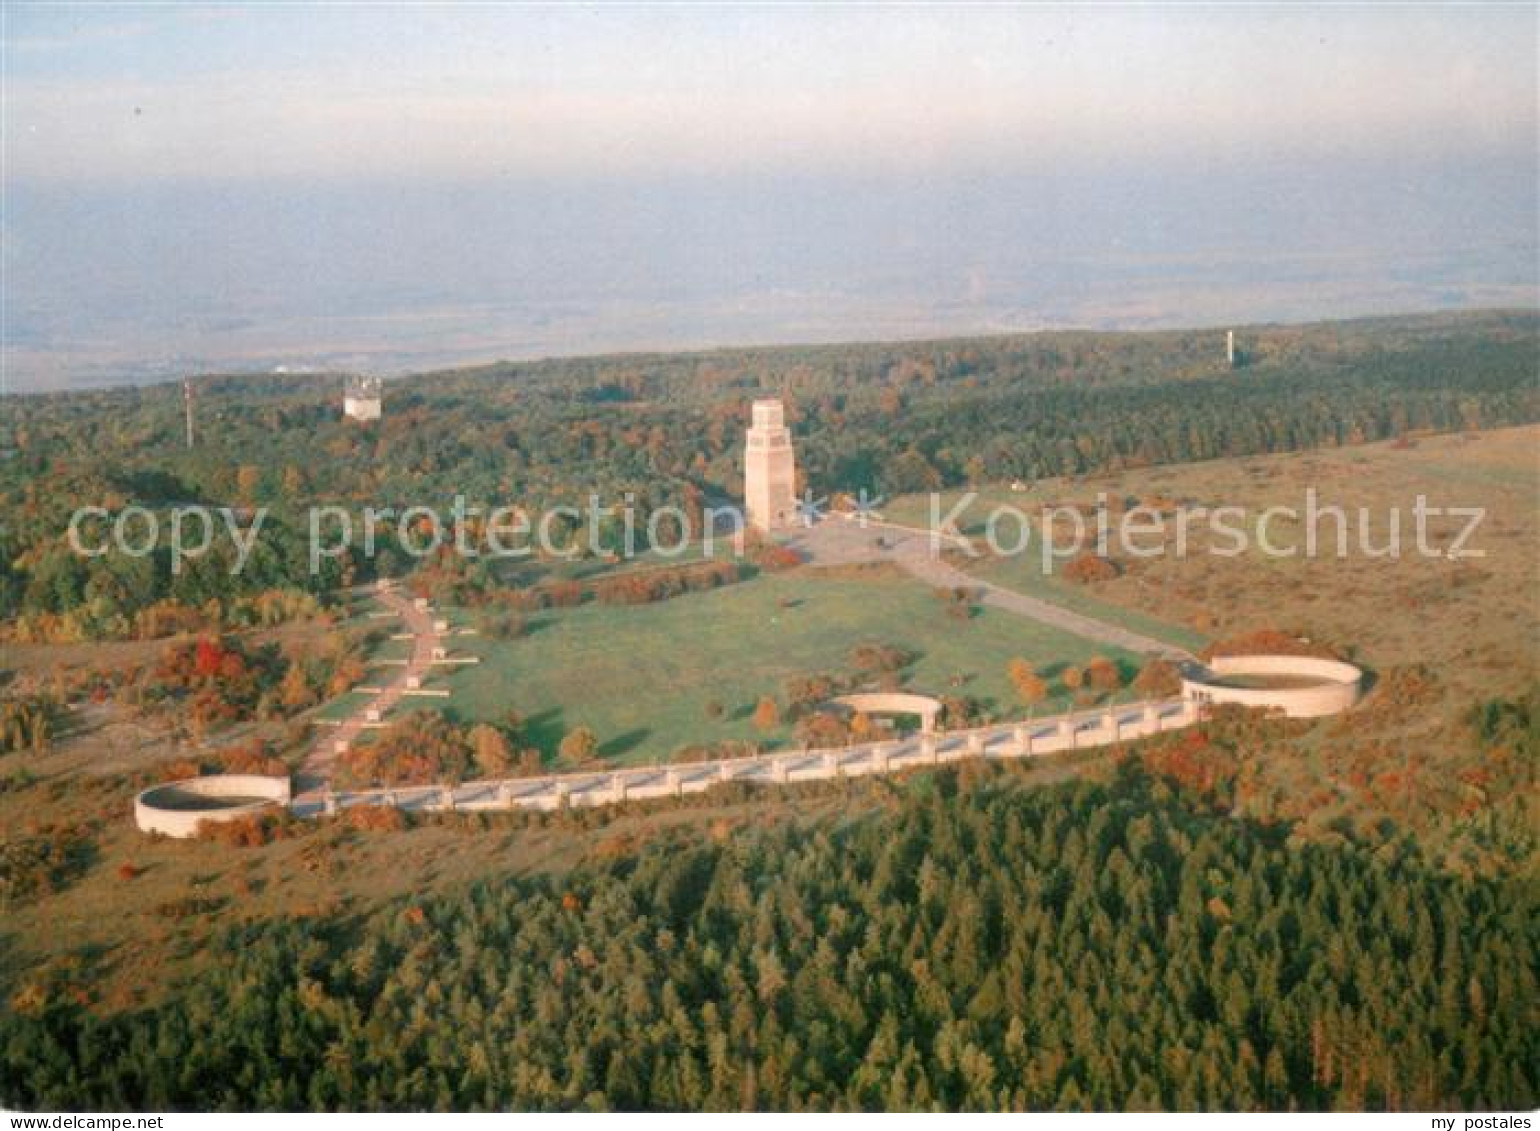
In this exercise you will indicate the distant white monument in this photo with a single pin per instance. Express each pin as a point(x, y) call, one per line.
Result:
point(361, 398)
point(769, 469)
point(1230, 348)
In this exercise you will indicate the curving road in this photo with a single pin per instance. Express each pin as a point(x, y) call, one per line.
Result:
point(840, 540)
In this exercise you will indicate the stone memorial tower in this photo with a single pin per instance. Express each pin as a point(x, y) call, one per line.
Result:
point(769, 469)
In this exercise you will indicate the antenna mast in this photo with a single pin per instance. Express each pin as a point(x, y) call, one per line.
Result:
point(187, 404)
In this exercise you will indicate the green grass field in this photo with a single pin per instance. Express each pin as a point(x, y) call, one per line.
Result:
point(642, 676)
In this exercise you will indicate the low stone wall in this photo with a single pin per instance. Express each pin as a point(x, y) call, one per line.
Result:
point(177, 808)
point(1030, 738)
point(1334, 686)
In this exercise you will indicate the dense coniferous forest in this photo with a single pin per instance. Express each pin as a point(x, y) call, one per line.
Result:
point(1100, 946)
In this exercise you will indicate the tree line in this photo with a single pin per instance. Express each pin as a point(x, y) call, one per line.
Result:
point(666, 430)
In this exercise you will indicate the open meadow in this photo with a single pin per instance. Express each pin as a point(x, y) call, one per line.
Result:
point(649, 679)
point(1438, 636)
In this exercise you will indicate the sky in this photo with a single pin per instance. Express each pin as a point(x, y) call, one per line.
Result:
point(391, 186)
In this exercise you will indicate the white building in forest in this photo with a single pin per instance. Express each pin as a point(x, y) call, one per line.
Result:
point(361, 398)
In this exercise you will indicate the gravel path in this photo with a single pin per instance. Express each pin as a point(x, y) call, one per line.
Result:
point(317, 768)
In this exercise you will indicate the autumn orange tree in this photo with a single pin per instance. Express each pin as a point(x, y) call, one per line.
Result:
point(1158, 679)
point(1103, 675)
point(490, 749)
point(579, 747)
point(1090, 567)
point(1030, 686)
point(424, 748)
point(766, 714)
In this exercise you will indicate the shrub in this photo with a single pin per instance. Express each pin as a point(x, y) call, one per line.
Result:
point(1030, 686)
point(959, 602)
point(188, 906)
point(804, 691)
point(375, 818)
point(643, 586)
point(27, 723)
point(1089, 567)
point(774, 559)
point(43, 863)
point(424, 748)
point(959, 711)
point(861, 727)
point(1271, 642)
point(563, 594)
point(254, 757)
point(876, 658)
point(822, 729)
point(766, 714)
point(1158, 679)
point(503, 624)
point(1103, 674)
point(491, 751)
point(580, 746)
point(251, 831)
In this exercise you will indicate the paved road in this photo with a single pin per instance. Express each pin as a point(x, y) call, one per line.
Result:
point(838, 541)
point(317, 769)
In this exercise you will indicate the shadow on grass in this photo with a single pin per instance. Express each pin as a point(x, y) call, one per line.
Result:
point(623, 743)
point(546, 729)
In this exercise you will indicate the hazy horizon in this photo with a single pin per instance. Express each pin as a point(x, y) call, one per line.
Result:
point(392, 189)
